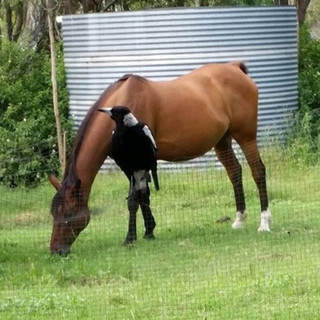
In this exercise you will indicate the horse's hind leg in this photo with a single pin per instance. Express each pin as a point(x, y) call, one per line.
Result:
point(227, 157)
point(257, 167)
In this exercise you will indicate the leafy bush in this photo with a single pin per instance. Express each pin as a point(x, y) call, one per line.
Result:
point(27, 128)
point(309, 71)
point(304, 140)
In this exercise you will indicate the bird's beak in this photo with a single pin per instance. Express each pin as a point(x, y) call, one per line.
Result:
point(105, 110)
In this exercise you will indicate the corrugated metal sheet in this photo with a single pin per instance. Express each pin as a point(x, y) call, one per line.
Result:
point(164, 44)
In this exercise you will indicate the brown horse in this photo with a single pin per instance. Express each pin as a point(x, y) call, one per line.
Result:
point(189, 116)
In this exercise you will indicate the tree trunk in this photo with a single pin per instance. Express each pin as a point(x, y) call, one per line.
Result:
point(202, 3)
point(0, 28)
point(68, 7)
point(97, 5)
point(50, 17)
point(302, 6)
point(9, 21)
point(34, 24)
point(107, 6)
point(281, 2)
point(85, 6)
point(125, 6)
point(19, 22)
point(180, 3)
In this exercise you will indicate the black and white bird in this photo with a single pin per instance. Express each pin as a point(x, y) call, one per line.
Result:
point(133, 147)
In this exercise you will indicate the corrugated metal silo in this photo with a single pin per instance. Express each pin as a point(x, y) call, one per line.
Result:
point(164, 44)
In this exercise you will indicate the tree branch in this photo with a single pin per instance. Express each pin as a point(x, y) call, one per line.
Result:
point(9, 21)
point(50, 17)
point(302, 7)
point(20, 21)
point(109, 4)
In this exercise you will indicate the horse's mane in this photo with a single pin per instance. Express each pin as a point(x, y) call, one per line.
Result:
point(70, 175)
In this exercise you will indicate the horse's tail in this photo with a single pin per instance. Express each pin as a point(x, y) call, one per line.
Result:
point(155, 178)
point(241, 65)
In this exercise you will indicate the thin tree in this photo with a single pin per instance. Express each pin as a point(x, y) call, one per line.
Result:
point(302, 6)
point(50, 15)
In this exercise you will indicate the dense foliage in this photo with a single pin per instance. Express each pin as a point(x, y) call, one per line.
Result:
point(27, 127)
point(147, 4)
point(304, 140)
point(309, 71)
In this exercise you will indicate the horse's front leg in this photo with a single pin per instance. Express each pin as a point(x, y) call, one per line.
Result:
point(141, 187)
point(149, 222)
point(133, 206)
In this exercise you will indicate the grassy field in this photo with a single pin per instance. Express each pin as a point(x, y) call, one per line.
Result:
point(196, 268)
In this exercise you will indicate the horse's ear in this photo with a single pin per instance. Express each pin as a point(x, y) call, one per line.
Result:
point(55, 182)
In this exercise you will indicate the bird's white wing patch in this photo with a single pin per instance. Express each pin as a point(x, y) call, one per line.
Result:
point(148, 133)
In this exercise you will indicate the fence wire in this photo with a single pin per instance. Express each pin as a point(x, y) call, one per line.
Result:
point(197, 267)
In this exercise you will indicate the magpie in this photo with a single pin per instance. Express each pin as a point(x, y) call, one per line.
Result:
point(133, 147)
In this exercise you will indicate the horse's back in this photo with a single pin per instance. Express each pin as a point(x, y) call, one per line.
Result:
point(191, 113)
point(222, 89)
point(199, 108)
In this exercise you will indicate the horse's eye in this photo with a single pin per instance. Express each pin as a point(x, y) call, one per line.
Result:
point(68, 216)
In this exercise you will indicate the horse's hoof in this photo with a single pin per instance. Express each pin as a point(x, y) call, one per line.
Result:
point(149, 236)
point(237, 225)
point(265, 221)
point(239, 221)
point(264, 228)
point(129, 242)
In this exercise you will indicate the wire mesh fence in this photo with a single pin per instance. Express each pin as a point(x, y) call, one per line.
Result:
point(197, 267)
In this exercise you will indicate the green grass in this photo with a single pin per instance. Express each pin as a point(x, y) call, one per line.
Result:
point(195, 269)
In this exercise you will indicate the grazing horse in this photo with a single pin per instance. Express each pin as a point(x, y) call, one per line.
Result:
point(189, 116)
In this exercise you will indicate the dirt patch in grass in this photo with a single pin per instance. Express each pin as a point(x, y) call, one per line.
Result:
point(28, 219)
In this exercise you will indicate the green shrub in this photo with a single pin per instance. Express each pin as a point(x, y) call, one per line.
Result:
point(303, 145)
point(27, 129)
point(309, 71)
point(304, 139)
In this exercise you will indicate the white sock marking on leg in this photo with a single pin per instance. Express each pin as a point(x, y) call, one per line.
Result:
point(240, 218)
point(265, 221)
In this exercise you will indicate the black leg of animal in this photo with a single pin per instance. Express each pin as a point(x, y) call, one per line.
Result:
point(227, 157)
point(133, 206)
point(149, 222)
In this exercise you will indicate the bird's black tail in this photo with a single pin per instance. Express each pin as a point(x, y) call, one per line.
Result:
point(155, 179)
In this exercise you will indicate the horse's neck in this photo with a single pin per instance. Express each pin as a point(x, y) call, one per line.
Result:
point(94, 150)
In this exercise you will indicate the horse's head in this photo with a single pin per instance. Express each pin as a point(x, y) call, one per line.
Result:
point(70, 215)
